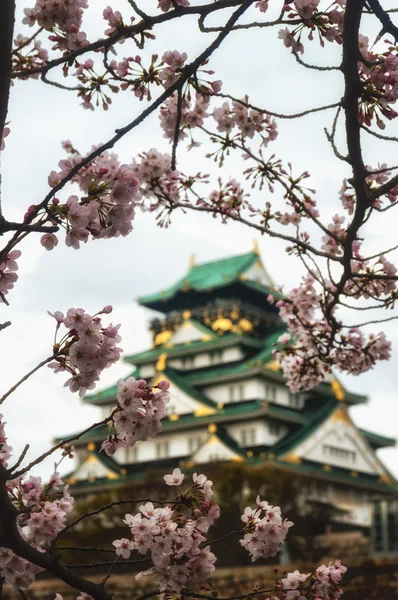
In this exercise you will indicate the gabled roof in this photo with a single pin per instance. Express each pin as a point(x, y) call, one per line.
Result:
point(174, 378)
point(210, 275)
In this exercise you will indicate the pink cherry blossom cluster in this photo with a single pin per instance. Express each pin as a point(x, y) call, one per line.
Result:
point(108, 208)
point(5, 133)
point(8, 273)
point(365, 286)
point(43, 512)
point(28, 55)
point(264, 529)
point(91, 85)
point(138, 413)
point(192, 115)
point(333, 243)
point(248, 121)
point(165, 5)
point(5, 449)
point(376, 178)
point(63, 18)
point(323, 584)
point(153, 169)
point(309, 350)
point(327, 24)
point(380, 84)
point(86, 349)
point(173, 536)
point(228, 200)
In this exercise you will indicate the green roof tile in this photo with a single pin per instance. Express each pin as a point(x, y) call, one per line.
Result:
point(209, 275)
point(378, 441)
point(192, 347)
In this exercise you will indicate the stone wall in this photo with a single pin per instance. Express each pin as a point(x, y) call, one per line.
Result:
point(365, 580)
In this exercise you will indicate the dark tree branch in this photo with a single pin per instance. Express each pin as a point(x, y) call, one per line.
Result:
point(384, 18)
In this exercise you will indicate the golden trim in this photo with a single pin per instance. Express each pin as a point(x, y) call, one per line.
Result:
point(354, 474)
point(337, 390)
point(163, 337)
point(174, 417)
point(192, 261)
point(292, 457)
point(112, 476)
point(220, 405)
point(91, 446)
point(204, 411)
point(161, 362)
point(273, 365)
point(212, 428)
point(340, 415)
point(271, 455)
point(249, 453)
point(123, 471)
point(327, 468)
point(186, 314)
point(256, 249)
point(384, 478)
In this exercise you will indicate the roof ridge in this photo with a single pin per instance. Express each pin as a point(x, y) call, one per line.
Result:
point(235, 256)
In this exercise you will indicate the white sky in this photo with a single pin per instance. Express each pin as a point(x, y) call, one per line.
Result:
point(117, 271)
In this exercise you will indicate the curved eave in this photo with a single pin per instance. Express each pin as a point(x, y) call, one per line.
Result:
point(378, 441)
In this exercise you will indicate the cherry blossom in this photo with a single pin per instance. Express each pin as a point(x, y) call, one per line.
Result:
point(8, 273)
point(264, 530)
point(138, 414)
point(87, 348)
point(173, 537)
point(176, 478)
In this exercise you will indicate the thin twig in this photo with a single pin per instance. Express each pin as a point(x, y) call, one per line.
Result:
point(20, 459)
point(176, 130)
point(278, 115)
point(26, 377)
point(54, 448)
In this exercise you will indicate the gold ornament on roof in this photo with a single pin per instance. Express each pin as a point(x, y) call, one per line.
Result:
point(192, 261)
point(222, 324)
point(163, 337)
point(273, 365)
point(162, 361)
point(186, 314)
point(245, 325)
point(212, 428)
point(256, 249)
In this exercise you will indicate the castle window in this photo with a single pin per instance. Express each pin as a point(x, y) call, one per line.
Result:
point(248, 436)
point(214, 457)
point(348, 456)
point(294, 400)
point(194, 443)
point(162, 449)
point(188, 362)
point(131, 455)
point(274, 428)
point(270, 392)
point(236, 393)
point(216, 356)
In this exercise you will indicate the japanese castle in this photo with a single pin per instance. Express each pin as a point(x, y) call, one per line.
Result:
point(213, 338)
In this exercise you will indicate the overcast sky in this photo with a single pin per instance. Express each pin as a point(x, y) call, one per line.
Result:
point(117, 271)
